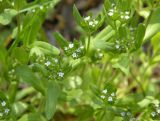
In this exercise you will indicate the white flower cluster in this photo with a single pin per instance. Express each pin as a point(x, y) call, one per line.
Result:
point(75, 53)
point(153, 114)
point(123, 45)
point(125, 15)
point(41, 7)
point(99, 55)
point(48, 63)
point(5, 110)
point(91, 22)
point(156, 112)
point(111, 12)
point(127, 115)
point(12, 74)
point(110, 97)
point(60, 74)
point(70, 46)
point(114, 10)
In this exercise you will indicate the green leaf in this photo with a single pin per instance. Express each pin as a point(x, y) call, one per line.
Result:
point(46, 48)
point(155, 42)
point(122, 32)
point(77, 16)
point(122, 64)
point(102, 44)
point(139, 36)
point(154, 24)
point(60, 39)
point(32, 117)
point(6, 17)
point(19, 108)
point(28, 76)
point(31, 26)
point(22, 55)
point(52, 95)
point(108, 19)
point(145, 102)
point(74, 94)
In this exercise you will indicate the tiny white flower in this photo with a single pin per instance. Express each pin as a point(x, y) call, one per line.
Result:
point(96, 22)
point(102, 96)
point(65, 48)
point(113, 94)
point(113, 5)
point(3, 103)
point(157, 105)
point(56, 60)
point(110, 99)
point(127, 12)
point(153, 114)
point(6, 111)
point(104, 91)
point(91, 23)
point(158, 111)
point(71, 45)
point(48, 63)
point(33, 10)
point(60, 74)
point(110, 13)
point(117, 46)
point(123, 114)
point(41, 7)
point(87, 18)
point(126, 17)
point(111, 10)
point(1, 114)
point(82, 47)
point(74, 55)
point(117, 41)
point(122, 16)
point(78, 50)
point(100, 55)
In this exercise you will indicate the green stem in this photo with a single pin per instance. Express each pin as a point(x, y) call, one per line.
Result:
point(88, 44)
point(100, 80)
point(13, 90)
point(16, 84)
point(18, 29)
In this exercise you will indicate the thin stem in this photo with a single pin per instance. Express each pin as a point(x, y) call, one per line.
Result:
point(88, 44)
point(100, 80)
point(16, 84)
point(18, 29)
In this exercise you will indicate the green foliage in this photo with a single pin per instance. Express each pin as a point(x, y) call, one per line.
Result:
point(52, 95)
point(6, 17)
point(107, 74)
